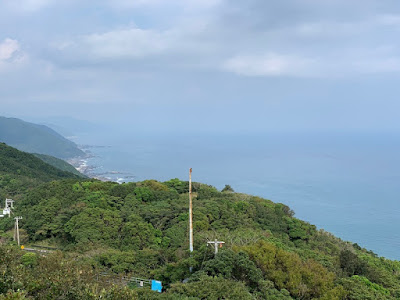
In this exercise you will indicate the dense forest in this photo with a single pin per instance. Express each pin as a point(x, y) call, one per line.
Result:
point(141, 230)
point(20, 171)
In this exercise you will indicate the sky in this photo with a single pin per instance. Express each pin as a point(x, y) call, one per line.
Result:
point(203, 65)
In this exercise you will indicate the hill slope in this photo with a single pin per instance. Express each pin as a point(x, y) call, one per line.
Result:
point(59, 164)
point(36, 138)
point(20, 171)
point(141, 229)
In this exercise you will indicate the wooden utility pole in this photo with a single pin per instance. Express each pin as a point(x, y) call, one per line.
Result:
point(190, 212)
point(16, 231)
point(190, 216)
point(216, 245)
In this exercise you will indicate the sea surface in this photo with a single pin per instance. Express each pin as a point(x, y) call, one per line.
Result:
point(347, 184)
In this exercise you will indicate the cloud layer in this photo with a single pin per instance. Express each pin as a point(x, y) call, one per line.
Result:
point(160, 53)
point(303, 38)
point(255, 39)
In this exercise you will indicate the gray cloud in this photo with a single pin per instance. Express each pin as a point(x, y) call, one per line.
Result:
point(198, 54)
point(310, 38)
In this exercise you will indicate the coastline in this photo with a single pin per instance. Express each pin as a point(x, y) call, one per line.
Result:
point(86, 166)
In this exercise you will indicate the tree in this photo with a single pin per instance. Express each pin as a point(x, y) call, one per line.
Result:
point(212, 288)
point(227, 189)
point(351, 264)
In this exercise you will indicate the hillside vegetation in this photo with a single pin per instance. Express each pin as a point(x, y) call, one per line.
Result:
point(20, 171)
point(59, 164)
point(141, 229)
point(36, 138)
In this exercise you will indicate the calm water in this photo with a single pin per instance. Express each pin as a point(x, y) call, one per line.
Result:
point(345, 184)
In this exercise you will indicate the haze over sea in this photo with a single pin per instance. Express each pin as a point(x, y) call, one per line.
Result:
point(347, 184)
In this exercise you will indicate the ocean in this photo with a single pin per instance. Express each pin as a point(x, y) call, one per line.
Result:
point(347, 184)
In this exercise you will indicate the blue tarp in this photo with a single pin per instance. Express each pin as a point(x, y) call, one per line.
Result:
point(156, 286)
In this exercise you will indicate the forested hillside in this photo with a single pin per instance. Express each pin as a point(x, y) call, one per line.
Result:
point(36, 138)
point(59, 164)
point(141, 230)
point(20, 171)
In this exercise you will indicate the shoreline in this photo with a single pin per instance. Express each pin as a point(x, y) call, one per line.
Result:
point(82, 164)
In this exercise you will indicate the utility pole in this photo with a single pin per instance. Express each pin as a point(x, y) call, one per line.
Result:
point(190, 212)
point(16, 231)
point(190, 215)
point(216, 245)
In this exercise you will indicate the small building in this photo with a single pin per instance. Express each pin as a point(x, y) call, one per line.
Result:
point(9, 204)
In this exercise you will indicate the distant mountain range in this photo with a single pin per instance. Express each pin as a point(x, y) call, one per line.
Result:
point(34, 138)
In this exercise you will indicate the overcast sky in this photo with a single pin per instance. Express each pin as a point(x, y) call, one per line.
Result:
point(210, 65)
